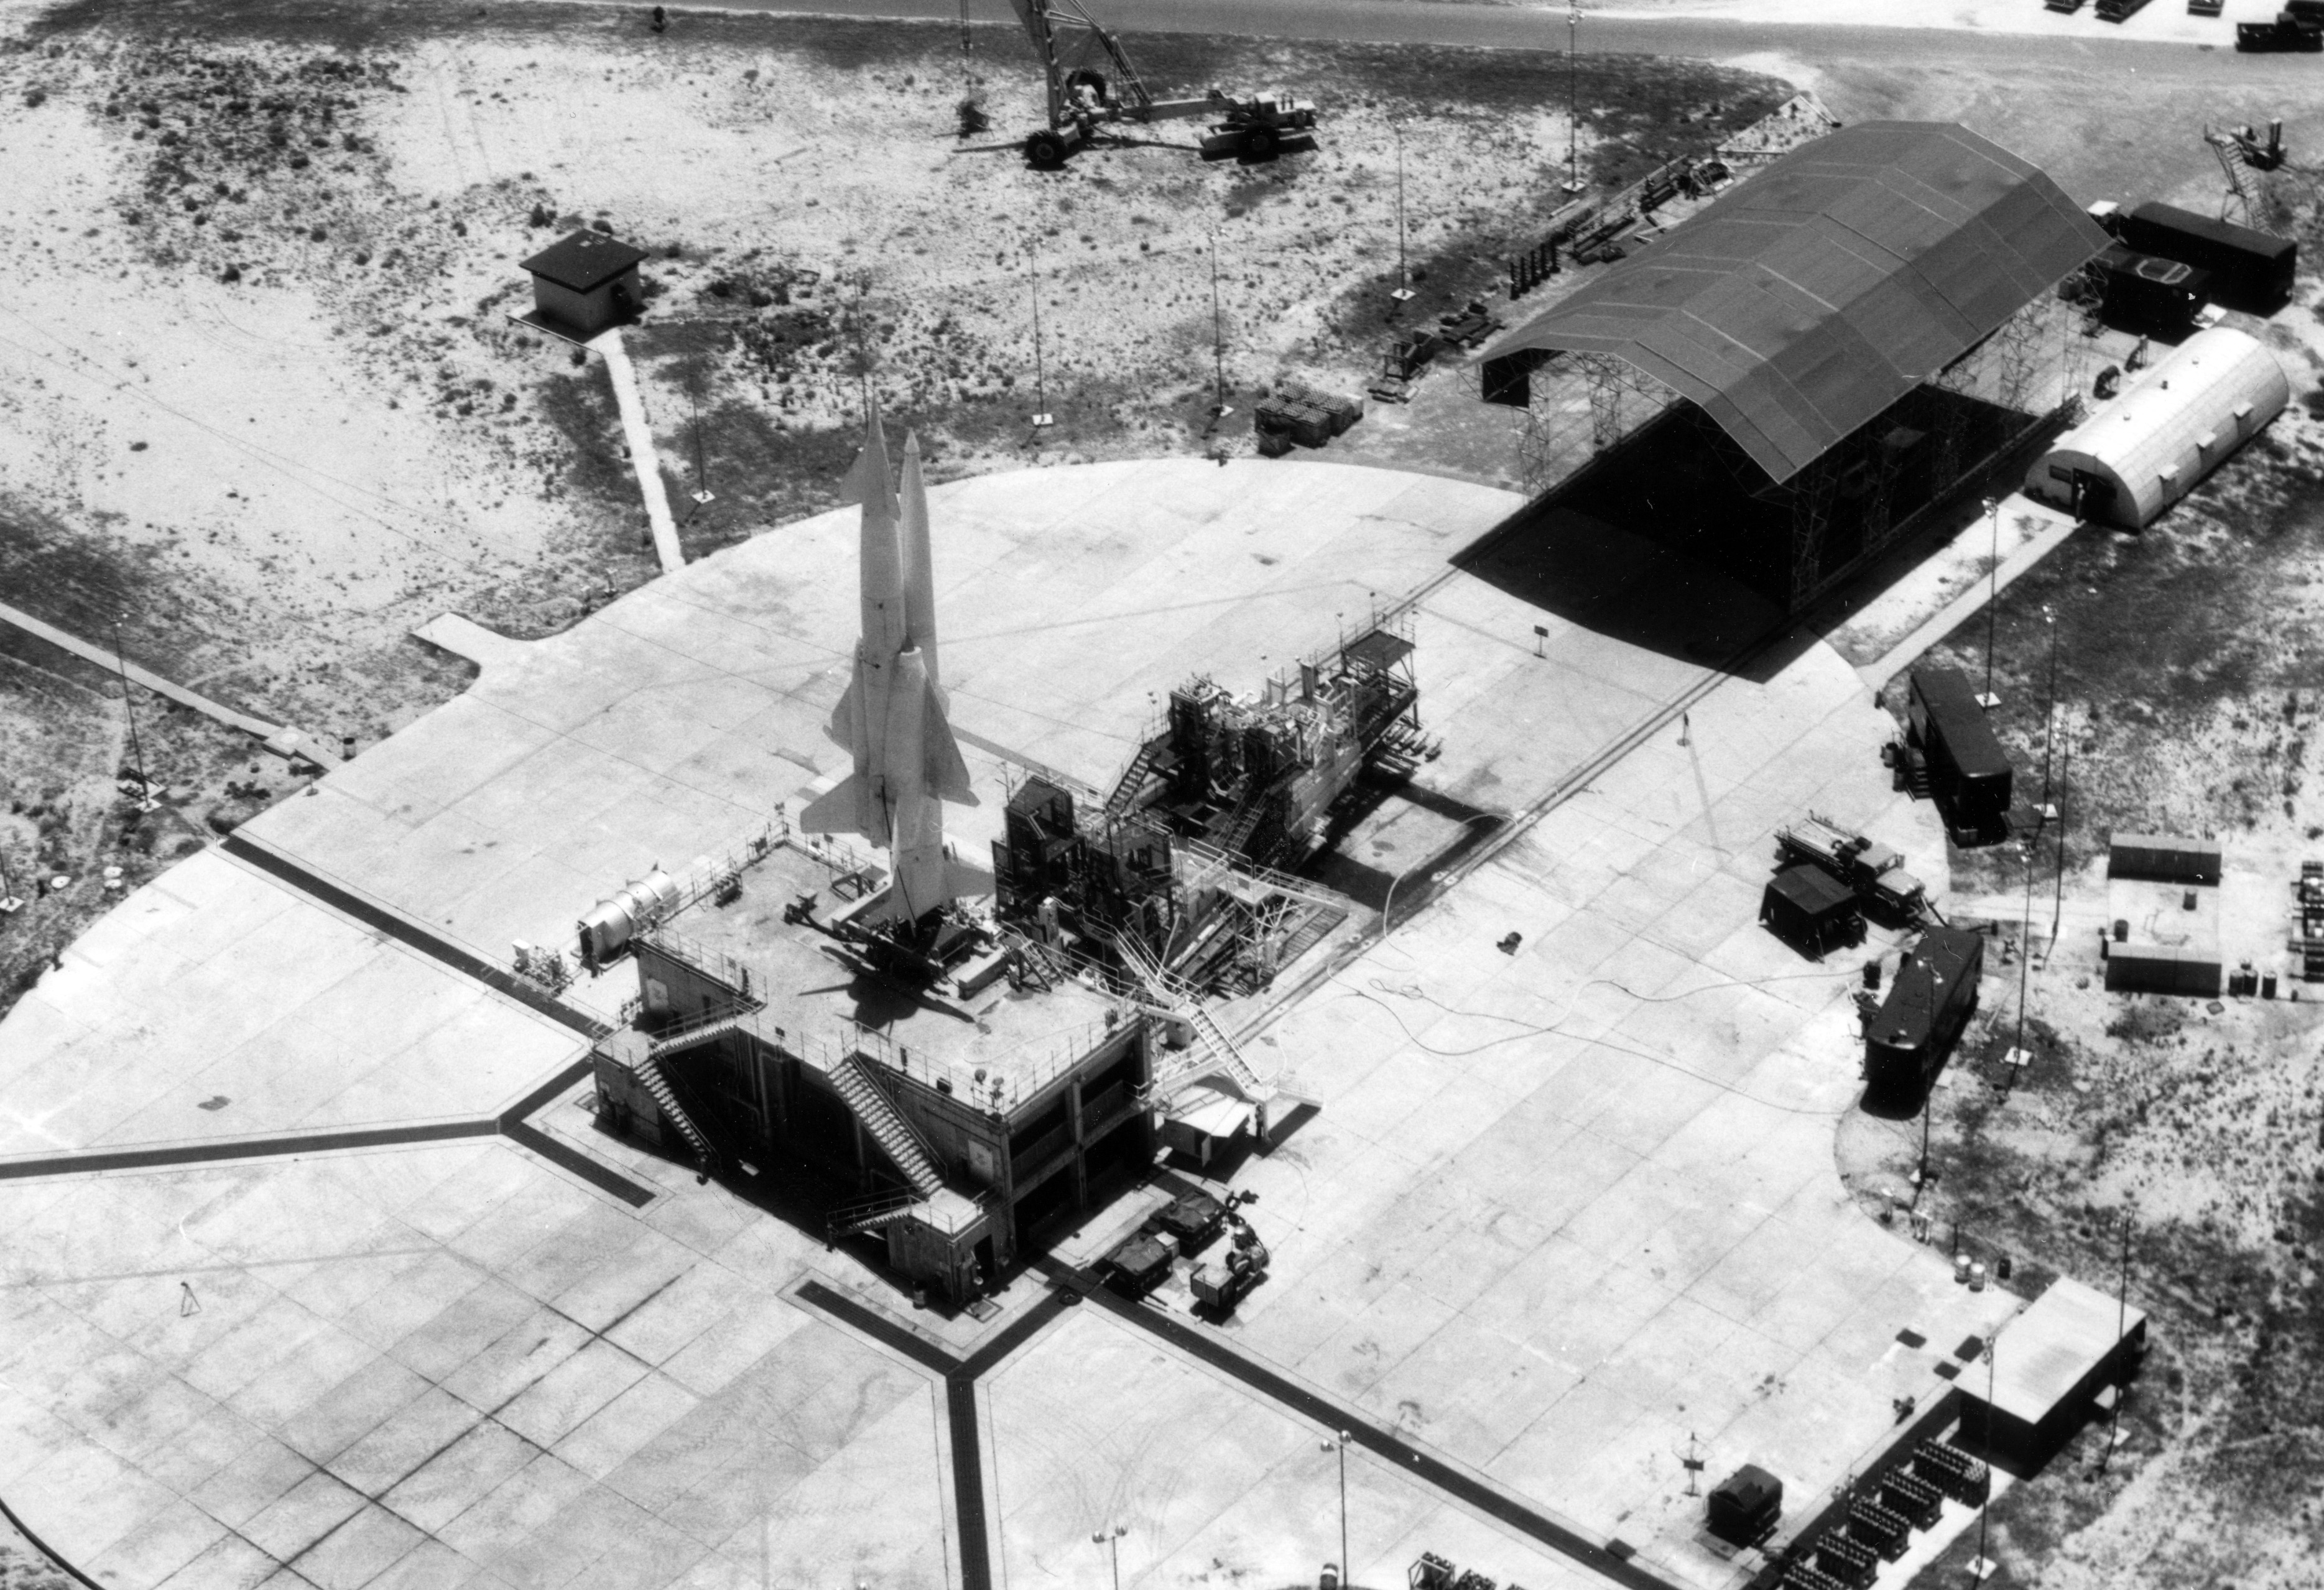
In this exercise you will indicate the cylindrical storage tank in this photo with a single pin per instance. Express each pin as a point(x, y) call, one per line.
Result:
point(605, 930)
point(2143, 452)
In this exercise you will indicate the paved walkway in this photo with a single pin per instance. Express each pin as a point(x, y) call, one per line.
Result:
point(640, 436)
point(1973, 600)
point(307, 746)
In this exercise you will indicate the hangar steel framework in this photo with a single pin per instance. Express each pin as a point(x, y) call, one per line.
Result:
point(1873, 307)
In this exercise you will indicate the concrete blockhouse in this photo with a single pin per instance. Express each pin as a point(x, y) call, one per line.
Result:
point(584, 283)
point(2140, 454)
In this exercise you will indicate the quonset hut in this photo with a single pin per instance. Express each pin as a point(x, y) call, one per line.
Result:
point(2141, 453)
point(1791, 374)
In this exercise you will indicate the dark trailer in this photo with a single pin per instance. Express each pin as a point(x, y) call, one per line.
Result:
point(2149, 293)
point(2249, 270)
point(1906, 1041)
point(1969, 772)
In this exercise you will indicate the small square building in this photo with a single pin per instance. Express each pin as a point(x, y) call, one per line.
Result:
point(2163, 915)
point(585, 284)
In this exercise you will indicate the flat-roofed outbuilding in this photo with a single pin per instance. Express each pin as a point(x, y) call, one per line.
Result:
point(586, 282)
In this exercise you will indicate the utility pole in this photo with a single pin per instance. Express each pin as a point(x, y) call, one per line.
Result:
point(2024, 968)
point(1989, 700)
point(1403, 293)
point(2121, 1326)
point(1218, 342)
point(1572, 99)
point(1042, 417)
point(2058, 906)
point(145, 801)
point(1983, 1566)
point(1928, 1106)
point(2049, 711)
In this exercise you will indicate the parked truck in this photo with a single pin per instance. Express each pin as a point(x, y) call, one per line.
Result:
point(1874, 871)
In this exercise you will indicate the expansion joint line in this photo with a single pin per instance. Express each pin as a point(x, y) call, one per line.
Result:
point(511, 1123)
point(960, 1377)
point(1217, 1353)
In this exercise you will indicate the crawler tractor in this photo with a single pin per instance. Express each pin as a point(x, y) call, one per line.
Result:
point(1094, 91)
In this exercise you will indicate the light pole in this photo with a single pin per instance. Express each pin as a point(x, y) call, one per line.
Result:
point(1989, 700)
point(145, 801)
point(2058, 906)
point(1403, 292)
point(1042, 417)
point(2121, 1322)
point(1220, 408)
point(2049, 711)
point(2024, 968)
point(1111, 1539)
point(1572, 99)
point(1983, 1566)
point(1338, 1444)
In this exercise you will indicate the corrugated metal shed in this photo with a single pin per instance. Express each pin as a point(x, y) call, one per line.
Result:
point(1806, 301)
point(2140, 454)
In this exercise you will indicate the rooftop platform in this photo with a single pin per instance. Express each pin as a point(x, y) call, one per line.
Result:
point(2059, 1343)
point(825, 999)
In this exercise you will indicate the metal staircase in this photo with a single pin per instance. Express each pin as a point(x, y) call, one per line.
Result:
point(889, 1128)
point(681, 1039)
point(869, 1214)
point(657, 1085)
point(1133, 778)
point(1213, 1052)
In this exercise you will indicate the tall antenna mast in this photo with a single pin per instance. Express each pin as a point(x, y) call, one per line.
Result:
point(145, 801)
point(1403, 268)
point(1041, 415)
point(1218, 341)
point(1572, 99)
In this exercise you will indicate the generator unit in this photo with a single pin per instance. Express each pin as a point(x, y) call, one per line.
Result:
point(1743, 1507)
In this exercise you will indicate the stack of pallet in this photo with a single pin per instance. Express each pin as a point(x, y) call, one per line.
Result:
point(1307, 418)
point(2307, 939)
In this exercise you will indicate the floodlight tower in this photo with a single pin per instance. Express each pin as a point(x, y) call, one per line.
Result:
point(1403, 293)
point(1572, 99)
point(145, 801)
point(1221, 407)
point(1989, 700)
point(1111, 1539)
point(1042, 417)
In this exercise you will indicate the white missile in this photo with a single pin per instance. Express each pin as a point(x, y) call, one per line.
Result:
point(891, 720)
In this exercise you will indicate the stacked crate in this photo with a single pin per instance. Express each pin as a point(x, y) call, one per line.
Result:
point(1876, 1526)
point(1914, 1500)
point(1846, 1560)
point(1954, 1472)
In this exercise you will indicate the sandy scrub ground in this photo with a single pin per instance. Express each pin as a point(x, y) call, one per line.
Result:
point(265, 402)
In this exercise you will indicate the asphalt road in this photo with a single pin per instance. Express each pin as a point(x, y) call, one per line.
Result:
point(1451, 22)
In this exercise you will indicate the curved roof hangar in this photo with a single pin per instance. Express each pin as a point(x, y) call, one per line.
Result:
point(1808, 298)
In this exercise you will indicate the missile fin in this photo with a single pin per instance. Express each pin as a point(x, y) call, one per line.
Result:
point(947, 773)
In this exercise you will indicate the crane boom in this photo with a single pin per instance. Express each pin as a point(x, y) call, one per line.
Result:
point(1092, 84)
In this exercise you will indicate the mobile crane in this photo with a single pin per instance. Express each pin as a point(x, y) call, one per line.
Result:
point(1093, 87)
